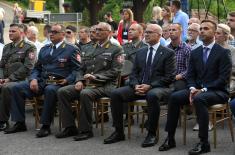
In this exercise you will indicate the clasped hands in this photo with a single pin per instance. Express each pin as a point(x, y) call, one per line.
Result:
point(142, 89)
point(194, 92)
point(79, 85)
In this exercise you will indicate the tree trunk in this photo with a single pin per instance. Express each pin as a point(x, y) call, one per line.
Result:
point(139, 7)
point(94, 7)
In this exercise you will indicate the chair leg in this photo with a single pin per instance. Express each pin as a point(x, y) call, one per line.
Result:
point(96, 114)
point(143, 118)
point(78, 114)
point(223, 113)
point(214, 125)
point(102, 118)
point(37, 117)
point(157, 132)
point(230, 124)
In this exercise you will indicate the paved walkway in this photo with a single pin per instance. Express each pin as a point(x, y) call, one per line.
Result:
point(25, 143)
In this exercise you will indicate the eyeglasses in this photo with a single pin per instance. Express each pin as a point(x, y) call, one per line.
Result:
point(69, 32)
point(204, 28)
point(12, 31)
point(100, 29)
point(54, 32)
point(192, 30)
point(150, 32)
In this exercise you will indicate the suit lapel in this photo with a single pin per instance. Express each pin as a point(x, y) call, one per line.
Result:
point(157, 56)
point(211, 56)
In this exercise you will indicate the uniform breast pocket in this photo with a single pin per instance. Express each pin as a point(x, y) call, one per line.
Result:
point(107, 60)
point(62, 62)
point(18, 57)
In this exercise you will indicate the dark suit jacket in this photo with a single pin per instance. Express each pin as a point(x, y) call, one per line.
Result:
point(215, 74)
point(163, 67)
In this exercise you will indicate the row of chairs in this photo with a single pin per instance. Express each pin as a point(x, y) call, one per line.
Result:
point(100, 105)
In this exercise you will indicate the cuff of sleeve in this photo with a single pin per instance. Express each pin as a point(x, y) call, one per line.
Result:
point(192, 88)
point(204, 89)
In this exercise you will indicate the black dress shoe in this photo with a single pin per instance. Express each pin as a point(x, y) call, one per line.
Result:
point(67, 132)
point(200, 148)
point(83, 136)
point(167, 145)
point(150, 140)
point(18, 127)
point(4, 126)
point(114, 137)
point(43, 132)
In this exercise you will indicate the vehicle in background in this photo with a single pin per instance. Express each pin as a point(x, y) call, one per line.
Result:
point(36, 11)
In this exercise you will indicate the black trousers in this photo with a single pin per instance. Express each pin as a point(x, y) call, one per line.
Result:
point(126, 94)
point(201, 103)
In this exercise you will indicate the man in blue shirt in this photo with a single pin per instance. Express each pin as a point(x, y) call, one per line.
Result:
point(180, 17)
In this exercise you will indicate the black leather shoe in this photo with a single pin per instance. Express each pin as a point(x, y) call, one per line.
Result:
point(67, 132)
point(114, 137)
point(200, 148)
point(4, 126)
point(18, 127)
point(150, 140)
point(83, 136)
point(167, 145)
point(43, 132)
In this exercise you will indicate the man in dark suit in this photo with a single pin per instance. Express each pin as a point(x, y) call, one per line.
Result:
point(153, 72)
point(208, 79)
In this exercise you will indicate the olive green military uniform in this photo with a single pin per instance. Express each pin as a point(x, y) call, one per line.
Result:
point(105, 64)
point(15, 65)
point(131, 48)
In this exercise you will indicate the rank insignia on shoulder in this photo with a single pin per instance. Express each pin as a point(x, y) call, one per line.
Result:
point(21, 44)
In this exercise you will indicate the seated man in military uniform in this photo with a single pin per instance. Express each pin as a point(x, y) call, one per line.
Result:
point(56, 67)
point(17, 61)
point(97, 78)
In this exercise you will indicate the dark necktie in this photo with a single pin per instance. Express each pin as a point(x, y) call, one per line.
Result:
point(147, 71)
point(205, 53)
point(53, 50)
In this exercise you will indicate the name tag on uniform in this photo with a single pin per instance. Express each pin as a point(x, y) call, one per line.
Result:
point(125, 33)
point(62, 62)
point(106, 54)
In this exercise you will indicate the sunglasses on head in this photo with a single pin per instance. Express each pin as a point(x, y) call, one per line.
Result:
point(68, 32)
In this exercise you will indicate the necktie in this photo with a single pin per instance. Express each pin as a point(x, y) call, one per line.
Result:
point(147, 71)
point(53, 49)
point(205, 53)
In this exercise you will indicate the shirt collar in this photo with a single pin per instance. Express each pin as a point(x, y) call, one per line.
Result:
point(58, 44)
point(155, 47)
point(210, 45)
